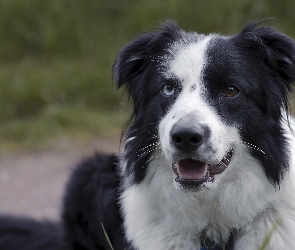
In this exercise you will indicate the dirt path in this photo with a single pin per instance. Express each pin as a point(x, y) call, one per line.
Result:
point(32, 184)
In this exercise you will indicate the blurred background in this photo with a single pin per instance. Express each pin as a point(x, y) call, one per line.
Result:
point(56, 60)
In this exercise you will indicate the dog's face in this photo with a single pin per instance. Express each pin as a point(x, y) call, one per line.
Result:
point(203, 101)
point(197, 142)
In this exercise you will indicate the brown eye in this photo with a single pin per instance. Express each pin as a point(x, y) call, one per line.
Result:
point(230, 91)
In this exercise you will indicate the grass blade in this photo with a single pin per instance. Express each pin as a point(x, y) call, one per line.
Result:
point(268, 236)
point(107, 237)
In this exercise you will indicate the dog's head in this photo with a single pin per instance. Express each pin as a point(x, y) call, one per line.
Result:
point(203, 102)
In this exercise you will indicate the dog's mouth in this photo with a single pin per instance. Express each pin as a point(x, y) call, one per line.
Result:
point(192, 174)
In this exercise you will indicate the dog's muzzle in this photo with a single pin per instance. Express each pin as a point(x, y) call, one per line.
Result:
point(192, 172)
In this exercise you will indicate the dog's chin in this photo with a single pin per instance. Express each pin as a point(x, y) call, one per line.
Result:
point(193, 174)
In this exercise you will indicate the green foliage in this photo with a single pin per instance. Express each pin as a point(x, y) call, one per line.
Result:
point(60, 53)
point(73, 28)
point(30, 86)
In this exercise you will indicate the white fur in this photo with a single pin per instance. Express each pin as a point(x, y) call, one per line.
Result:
point(187, 66)
point(159, 216)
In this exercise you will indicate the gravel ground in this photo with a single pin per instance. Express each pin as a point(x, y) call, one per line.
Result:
point(32, 184)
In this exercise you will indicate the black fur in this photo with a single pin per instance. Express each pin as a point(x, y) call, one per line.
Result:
point(260, 62)
point(90, 202)
point(28, 234)
point(137, 67)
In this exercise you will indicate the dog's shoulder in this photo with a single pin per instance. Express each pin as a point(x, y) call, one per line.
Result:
point(90, 201)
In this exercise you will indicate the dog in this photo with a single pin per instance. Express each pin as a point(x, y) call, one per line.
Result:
point(207, 161)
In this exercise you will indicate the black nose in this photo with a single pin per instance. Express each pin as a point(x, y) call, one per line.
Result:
point(186, 139)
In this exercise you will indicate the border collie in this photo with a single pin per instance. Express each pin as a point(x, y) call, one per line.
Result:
point(208, 159)
point(209, 156)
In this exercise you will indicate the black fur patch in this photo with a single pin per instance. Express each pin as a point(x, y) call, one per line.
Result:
point(260, 63)
point(90, 201)
point(29, 234)
point(138, 66)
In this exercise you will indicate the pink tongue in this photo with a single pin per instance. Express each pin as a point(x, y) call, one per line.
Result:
point(191, 169)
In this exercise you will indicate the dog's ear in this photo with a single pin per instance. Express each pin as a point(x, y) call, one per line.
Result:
point(130, 62)
point(272, 48)
point(135, 57)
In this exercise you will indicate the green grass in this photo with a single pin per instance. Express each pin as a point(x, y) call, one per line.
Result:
point(75, 124)
point(30, 86)
point(41, 101)
point(73, 28)
point(269, 234)
point(107, 237)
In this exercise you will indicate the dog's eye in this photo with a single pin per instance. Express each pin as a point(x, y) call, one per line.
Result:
point(230, 91)
point(168, 89)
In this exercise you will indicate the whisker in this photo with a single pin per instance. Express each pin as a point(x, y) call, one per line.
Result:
point(153, 135)
point(149, 150)
point(152, 158)
point(238, 159)
point(249, 145)
point(154, 144)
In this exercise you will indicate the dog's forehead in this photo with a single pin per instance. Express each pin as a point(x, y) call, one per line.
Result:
point(188, 60)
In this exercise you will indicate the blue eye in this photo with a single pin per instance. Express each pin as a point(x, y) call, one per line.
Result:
point(168, 90)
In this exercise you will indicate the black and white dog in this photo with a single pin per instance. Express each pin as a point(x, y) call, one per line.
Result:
point(208, 159)
point(209, 156)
